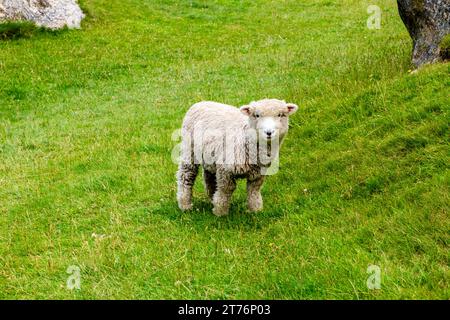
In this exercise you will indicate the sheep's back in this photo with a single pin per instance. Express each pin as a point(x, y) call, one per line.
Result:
point(213, 121)
point(214, 115)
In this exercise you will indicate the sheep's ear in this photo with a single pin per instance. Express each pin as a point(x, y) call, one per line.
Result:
point(292, 108)
point(247, 110)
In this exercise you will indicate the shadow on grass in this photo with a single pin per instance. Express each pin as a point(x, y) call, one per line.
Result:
point(202, 218)
point(14, 30)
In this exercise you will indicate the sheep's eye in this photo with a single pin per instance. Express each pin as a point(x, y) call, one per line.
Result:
point(256, 115)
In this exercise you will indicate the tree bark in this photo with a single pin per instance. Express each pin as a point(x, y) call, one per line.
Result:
point(428, 22)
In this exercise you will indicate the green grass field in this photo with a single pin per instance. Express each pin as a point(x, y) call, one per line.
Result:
point(86, 177)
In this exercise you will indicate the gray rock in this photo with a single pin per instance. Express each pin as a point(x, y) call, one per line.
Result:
point(427, 21)
point(53, 14)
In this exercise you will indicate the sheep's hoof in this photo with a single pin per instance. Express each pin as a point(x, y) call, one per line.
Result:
point(255, 209)
point(185, 206)
point(255, 204)
point(220, 212)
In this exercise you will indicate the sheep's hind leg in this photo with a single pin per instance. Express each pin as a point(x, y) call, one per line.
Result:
point(186, 177)
point(254, 198)
point(210, 183)
point(226, 185)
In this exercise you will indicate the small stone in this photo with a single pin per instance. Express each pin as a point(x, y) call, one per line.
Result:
point(52, 14)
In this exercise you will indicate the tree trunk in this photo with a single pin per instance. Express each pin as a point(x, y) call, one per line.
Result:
point(428, 22)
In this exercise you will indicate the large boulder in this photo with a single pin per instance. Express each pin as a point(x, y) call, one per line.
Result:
point(53, 14)
point(428, 22)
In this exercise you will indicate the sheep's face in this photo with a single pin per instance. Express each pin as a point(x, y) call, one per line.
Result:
point(269, 117)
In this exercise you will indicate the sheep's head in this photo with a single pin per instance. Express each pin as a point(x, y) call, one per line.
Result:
point(269, 117)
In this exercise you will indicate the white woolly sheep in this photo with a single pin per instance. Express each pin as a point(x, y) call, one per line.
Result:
point(230, 143)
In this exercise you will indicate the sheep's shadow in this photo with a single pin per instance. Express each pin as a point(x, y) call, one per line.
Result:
point(201, 216)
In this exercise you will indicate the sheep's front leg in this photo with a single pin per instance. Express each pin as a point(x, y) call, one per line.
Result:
point(226, 184)
point(254, 198)
point(186, 177)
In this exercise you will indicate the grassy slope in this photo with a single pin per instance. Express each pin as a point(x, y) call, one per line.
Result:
point(85, 142)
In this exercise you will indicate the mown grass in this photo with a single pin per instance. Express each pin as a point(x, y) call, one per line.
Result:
point(85, 146)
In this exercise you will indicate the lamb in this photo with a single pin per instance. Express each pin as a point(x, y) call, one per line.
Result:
point(230, 143)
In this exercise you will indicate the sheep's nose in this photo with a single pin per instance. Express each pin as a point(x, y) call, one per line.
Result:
point(269, 132)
